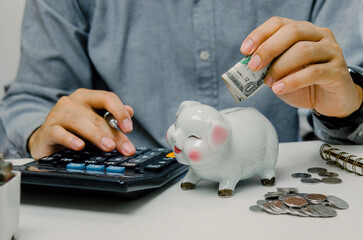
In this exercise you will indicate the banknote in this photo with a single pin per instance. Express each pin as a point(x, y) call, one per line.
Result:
point(242, 82)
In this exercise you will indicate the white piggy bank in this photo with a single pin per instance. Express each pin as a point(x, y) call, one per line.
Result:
point(223, 146)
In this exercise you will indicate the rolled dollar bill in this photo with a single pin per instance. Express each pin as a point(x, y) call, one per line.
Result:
point(242, 82)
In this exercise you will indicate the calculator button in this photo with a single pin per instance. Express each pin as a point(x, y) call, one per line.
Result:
point(118, 159)
point(115, 169)
point(170, 155)
point(76, 166)
point(155, 167)
point(129, 164)
point(93, 167)
point(63, 162)
point(47, 160)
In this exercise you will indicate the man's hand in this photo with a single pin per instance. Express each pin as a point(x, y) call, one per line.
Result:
point(309, 69)
point(74, 119)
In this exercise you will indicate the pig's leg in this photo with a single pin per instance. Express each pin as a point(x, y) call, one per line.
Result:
point(226, 186)
point(268, 177)
point(190, 180)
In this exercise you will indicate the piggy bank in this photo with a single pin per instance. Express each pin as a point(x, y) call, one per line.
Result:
point(223, 146)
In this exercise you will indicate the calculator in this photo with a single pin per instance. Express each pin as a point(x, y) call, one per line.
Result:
point(108, 172)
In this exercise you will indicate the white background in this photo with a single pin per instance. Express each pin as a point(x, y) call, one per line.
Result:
point(11, 13)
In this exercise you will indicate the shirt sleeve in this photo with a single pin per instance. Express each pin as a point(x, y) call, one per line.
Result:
point(346, 23)
point(53, 63)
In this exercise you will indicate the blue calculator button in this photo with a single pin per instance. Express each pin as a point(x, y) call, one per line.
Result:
point(76, 166)
point(93, 167)
point(115, 169)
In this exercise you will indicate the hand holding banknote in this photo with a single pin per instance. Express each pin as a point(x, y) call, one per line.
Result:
point(309, 69)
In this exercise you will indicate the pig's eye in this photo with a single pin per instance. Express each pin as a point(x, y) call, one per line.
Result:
point(193, 136)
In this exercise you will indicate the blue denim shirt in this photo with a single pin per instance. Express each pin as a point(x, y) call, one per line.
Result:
point(154, 55)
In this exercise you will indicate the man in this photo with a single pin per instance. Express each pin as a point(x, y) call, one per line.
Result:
point(140, 59)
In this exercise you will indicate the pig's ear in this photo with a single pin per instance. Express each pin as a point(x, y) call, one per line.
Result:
point(219, 134)
point(185, 105)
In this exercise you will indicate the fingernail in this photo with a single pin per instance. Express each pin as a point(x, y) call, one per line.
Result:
point(247, 46)
point(278, 87)
point(268, 80)
point(126, 125)
point(254, 62)
point(107, 143)
point(128, 148)
point(77, 143)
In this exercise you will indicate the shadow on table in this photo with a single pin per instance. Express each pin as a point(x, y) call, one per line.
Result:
point(91, 201)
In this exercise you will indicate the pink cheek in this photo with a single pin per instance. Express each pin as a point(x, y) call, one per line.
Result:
point(195, 156)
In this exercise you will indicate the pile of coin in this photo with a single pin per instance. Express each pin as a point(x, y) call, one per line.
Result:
point(290, 201)
point(5, 171)
point(327, 177)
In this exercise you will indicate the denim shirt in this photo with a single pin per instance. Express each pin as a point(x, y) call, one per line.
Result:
point(154, 55)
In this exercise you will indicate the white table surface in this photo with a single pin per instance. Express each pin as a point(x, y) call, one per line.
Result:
point(170, 213)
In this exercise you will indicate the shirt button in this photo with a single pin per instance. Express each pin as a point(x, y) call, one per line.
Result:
point(204, 55)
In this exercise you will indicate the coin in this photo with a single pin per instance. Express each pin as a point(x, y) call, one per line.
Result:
point(310, 211)
point(256, 208)
point(324, 210)
point(277, 206)
point(298, 212)
point(266, 207)
point(287, 190)
point(274, 195)
point(301, 175)
point(329, 174)
point(331, 180)
point(337, 202)
point(317, 170)
point(310, 180)
point(294, 201)
point(315, 198)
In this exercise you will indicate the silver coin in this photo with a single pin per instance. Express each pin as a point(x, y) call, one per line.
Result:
point(260, 202)
point(307, 212)
point(266, 207)
point(310, 180)
point(300, 175)
point(329, 174)
point(317, 170)
point(256, 208)
point(281, 198)
point(275, 195)
point(287, 190)
point(325, 211)
point(331, 180)
point(298, 212)
point(311, 212)
point(295, 201)
point(337, 202)
point(278, 206)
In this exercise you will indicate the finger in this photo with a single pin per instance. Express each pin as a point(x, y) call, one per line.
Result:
point(124, 146)
point(85, 128)
point(99, 99)
point(308, 52)
point(58, 135)
point(130, 110)
point(313, 74)
point(282, 40)
point(261, 33)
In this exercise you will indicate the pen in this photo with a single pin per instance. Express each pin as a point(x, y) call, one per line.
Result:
point(111, 120)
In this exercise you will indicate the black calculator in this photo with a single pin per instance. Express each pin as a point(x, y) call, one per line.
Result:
point(94, 170)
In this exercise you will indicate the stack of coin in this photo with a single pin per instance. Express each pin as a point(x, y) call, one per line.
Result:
point(290, 201)
point(5, 171)
point(328, 177)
